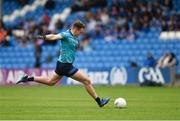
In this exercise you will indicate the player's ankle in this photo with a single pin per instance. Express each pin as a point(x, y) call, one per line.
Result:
point(98, 100)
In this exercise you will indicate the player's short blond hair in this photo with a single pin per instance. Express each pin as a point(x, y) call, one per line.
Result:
point(79, 24)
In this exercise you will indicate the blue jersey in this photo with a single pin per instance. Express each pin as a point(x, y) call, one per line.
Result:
point(69, 44)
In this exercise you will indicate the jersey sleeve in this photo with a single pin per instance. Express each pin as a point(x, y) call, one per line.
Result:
point(63, 34)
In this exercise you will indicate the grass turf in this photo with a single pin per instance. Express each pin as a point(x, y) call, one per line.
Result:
point(72, 102)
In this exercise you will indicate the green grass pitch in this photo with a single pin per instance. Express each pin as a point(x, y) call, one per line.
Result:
point(73, 102)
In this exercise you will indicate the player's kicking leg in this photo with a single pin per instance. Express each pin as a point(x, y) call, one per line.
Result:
point(44, 80)
point(79, 76)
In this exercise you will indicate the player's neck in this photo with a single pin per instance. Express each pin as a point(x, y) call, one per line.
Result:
point(72, 32)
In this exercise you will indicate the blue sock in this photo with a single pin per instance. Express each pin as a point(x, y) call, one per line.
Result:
point(98, 100)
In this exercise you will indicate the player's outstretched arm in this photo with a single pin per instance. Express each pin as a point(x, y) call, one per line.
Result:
point(50, 37)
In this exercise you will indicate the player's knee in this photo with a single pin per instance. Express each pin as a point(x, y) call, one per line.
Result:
point(51, 83)
point(87, 82)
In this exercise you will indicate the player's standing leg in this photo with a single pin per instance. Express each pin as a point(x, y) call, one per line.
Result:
point(79, 76)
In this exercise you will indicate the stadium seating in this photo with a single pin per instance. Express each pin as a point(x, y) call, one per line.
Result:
point(104, 53)
point(12, 5)
point(34, 15)
point(18, 58)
